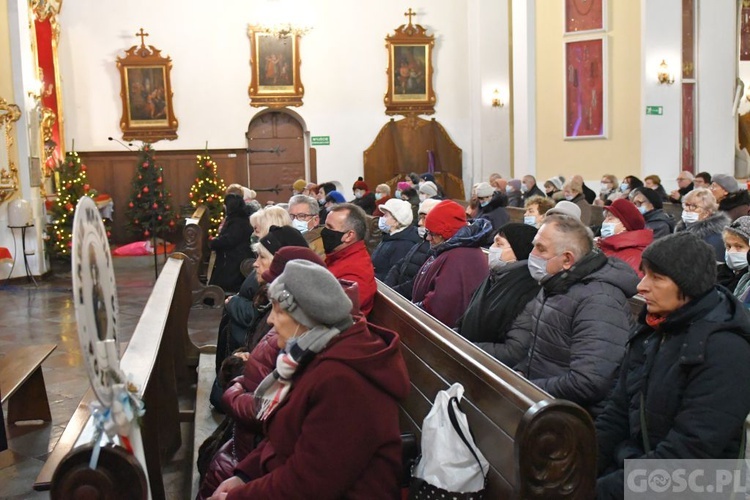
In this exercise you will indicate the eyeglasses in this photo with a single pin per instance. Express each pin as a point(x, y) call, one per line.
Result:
point(690, 207)
point(302, 217)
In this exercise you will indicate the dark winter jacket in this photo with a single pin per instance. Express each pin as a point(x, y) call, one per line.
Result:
point(589, 194)
point(709, 230)
point(232, 246)
point(660, 222)
point(515, 199)
point(682, 192)
point(391, 249)
point(581, 325)
point(401, 276)
point(628, 247)
point(695, 368)
point(735, 205)
point(496, 214)
point(585, 207)
point(534, 191)
point(366, 203)
point(336, 434)
point(447, 280)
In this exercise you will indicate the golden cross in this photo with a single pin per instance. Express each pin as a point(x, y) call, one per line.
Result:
point(410, 14)
point(142, 35)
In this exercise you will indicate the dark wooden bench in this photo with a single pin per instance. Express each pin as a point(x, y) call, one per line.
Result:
point(195, 248)
point(22, 383)
point(161, 361)
point(537, 446)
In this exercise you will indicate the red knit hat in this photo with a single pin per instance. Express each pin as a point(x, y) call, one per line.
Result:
point(628, 214)
point(284, 255)
point(360, 184)
point(446, 219)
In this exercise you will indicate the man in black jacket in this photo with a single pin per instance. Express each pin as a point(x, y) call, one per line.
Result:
point(530, 188)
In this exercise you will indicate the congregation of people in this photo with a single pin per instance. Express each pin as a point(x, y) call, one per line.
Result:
point(310, 388)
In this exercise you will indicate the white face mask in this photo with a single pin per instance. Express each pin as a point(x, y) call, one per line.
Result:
point(524, 188)
point(537, 267)
point(529, 220)
point(422, 196)
point(494, 258)
point(689, 217)
point(569, 197)
point(358, 194)
point(508, 189)
point(300, 226)
point(603, 188)
point(421, 231)
point(735, 260)
point(608, 229)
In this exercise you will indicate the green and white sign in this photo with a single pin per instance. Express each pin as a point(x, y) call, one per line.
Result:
point(655, 110)
point(321, 140)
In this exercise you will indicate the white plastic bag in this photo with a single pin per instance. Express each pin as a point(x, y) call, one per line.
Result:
point(447, 462)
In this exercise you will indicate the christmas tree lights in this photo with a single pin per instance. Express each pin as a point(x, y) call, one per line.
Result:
point(149, 211)
point(208, 190)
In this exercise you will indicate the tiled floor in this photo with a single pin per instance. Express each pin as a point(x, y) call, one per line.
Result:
point(30, 315)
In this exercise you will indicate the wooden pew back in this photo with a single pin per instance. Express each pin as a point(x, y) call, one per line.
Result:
point(196, 253)
point(537, 446)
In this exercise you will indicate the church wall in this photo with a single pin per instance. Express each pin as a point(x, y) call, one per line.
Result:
point(619, 152)
point(343, 70)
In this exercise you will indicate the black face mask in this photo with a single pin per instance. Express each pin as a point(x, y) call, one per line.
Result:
point(331, 239)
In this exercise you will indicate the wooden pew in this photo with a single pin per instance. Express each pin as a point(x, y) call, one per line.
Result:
point(374, 234)
point(195, 248)
point(22, 383)
point(161, 361)
point(537, 446)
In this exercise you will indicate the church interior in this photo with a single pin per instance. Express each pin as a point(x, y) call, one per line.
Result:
point(272, 91)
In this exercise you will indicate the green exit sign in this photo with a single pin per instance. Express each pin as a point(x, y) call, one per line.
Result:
point(321, 140)
point(655, 110)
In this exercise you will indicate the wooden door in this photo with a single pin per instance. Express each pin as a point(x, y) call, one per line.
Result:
point(276, 152)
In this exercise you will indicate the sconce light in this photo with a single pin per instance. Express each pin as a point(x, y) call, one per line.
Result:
point(664, 76)
point(40, 90)
point(496, 101)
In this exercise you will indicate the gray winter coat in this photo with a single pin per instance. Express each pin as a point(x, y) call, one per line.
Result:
point(580, 327)
point(709, 230)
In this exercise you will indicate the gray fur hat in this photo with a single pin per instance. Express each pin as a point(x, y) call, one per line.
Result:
point(310, 294)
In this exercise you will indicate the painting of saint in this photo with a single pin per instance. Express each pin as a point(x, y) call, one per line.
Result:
point(275, 58)
point(146, 94)
point(409, 73)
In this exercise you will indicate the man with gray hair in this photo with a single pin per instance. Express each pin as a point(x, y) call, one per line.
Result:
point(582, 314)
point(685, 185)
point(303, 210)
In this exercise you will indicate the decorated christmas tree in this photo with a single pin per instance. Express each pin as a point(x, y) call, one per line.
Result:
point(149, 212)
point(73, 185)
point(208, 190)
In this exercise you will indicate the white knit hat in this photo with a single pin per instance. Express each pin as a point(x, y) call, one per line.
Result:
point(399, 209)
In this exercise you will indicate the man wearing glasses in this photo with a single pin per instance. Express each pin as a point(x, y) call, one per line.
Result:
point(685, 184)
point(303, 210)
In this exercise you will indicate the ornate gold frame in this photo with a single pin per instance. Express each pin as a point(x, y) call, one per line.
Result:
point(287, 93)
point(136, 62)
point(410, 38)
point(9, 113)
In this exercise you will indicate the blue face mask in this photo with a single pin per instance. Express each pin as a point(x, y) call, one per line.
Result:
point(529, 220)
point(484, 204)
point(537, 267)
point(383, 225)
point(608, 229)
point(398, 193)
point(624, 187)
point(378, 196)
point(642, 210)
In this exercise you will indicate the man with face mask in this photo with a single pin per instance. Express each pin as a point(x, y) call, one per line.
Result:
point(581, 314)
point(491, 208)
point(498, 318)
point(303, 210)
point(529, 188)
point(346, 255)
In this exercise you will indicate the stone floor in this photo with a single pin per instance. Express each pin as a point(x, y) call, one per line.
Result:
point(45, 314)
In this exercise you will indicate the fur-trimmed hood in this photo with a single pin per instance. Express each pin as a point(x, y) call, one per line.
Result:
point(714, 224)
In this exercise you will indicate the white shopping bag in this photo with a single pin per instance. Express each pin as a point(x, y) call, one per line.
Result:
point(447, 461)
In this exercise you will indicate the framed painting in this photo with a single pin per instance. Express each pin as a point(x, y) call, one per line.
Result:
point(410, 71)
point(585, 88)
point(585, 16)
point(275, 62)
point(146, 92)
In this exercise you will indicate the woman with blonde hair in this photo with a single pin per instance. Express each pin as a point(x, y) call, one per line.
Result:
point(701, 217)
point(262, 220)
point(607, 190)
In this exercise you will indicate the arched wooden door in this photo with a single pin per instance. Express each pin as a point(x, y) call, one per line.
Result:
point(276, 151)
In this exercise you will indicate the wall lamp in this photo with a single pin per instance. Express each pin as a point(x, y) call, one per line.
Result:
point(664, 76)
point(496, 101)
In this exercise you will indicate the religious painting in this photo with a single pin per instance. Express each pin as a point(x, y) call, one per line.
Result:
point(744, 30)
point(146, 92)
point(585, 88)
point(583, 16)
point(410, 71)
point(275, 62)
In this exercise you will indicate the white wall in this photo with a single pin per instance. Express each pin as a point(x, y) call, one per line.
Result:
point(524, 88)
point(343, 70)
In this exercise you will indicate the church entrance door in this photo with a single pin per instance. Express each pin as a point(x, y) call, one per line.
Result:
point(276, 152)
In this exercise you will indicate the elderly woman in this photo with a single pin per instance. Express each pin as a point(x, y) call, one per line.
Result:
point(329, 410)
point(624, 234)
point(701, 217)
point(607, 190)
point(536, 208)
point(232, 245)
point(653, 182)
point(498, 318)
point(681, 392)
point(263, 219)
point(553, 188)
point(399, 235)
point(573, 191)
point(733, 273)
point(649, 204)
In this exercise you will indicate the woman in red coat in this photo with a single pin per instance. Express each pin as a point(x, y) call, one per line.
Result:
point(624, 233)
point(329, 410)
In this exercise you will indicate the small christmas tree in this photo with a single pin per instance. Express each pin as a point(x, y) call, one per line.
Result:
point(73, 186)
point(208, 190)
point(149, 212)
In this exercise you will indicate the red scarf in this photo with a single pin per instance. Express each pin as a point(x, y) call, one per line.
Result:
point(655, 320)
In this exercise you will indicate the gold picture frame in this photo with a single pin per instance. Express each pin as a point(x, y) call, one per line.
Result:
point(275, 62)
point(146, 93)
point(410, 71)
